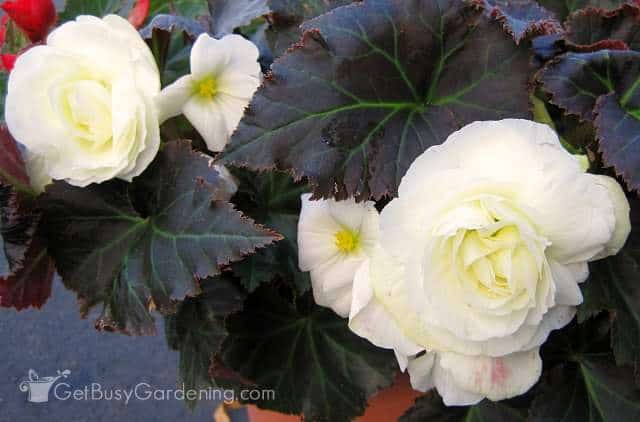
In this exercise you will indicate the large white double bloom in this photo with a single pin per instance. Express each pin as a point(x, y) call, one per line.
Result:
point(480, 258)
point(83, 104)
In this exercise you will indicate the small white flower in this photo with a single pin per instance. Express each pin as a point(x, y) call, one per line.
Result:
point(225, 73)
point(481, 256)
point(334, 238)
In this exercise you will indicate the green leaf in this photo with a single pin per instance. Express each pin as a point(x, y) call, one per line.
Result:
point(604, 86)
point(74, 8)
point(132, 247)
point(372, 85)
point(272, 199)
point(308, 355)
point(197, 329)
point(227, 15)
point(613, 286)
point(563, 8)
point(431, 408)
point(522, 18)
point(17, 227)
point(596, 29)
point(589, 390)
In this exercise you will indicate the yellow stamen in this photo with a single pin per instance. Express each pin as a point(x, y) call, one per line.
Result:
point(347, 241)
point(206, 88)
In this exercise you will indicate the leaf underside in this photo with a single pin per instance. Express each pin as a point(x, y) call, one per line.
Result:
point(522, 18)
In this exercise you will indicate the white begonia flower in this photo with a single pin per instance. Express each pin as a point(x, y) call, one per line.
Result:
point(480, 258)
point(225, 74)
point(82, 104)
point(334, 239)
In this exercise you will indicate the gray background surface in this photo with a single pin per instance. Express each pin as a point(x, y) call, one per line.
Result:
point(55, 338)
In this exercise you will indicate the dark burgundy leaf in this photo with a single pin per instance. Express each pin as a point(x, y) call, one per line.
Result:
point(374, 84)
point(522, 18)
point(12, 169)
point(227, 15)
point(170, 23)
point(590, 389)
point(17, 226)
point(431, 408)
point(613, 286)
point(137, 247)
point(287, 16)
point(308, 355)
point(197, 329)
point(563, 8)
point(31, 284)
point(595, 29)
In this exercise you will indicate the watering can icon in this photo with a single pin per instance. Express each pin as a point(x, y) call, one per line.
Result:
point(38, 388)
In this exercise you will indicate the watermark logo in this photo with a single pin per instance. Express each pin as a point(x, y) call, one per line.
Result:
point(37, 388)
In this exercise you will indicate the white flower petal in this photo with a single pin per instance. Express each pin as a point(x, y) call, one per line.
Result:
point(421, 372)
point(233, 110)
point(316, 234)
point(621, 210)
point(208, 119)
point(458, 377)
point(567, 289)
point(243, 55)
point(209, 57)
point(173, 98)
point(369, 318)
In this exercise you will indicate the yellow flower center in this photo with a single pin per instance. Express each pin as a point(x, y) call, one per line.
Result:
point(347, 241)
point(206, 88)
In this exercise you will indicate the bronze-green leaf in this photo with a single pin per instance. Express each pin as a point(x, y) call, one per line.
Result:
point(374, 84)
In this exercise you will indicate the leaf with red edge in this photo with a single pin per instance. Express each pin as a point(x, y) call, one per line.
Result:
point(562, 8)
point(12, 167)
point(287, 16)
point(374, 84)
point(133, 247)
point(522, 18)
point(596, 29)
point(605, 86)
point(31, 284)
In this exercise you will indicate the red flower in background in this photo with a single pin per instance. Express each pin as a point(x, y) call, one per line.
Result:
point(33, 17)
point(6, 60)
point(139, 12)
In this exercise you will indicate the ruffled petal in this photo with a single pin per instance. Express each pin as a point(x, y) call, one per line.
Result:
point(621, 211)
point(462, 380)
point(421, 371)
point(209, 57)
